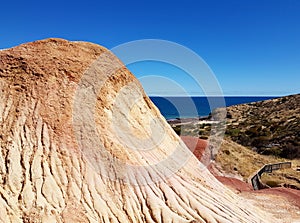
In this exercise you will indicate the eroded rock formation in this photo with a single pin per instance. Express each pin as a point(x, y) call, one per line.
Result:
point(71, 152)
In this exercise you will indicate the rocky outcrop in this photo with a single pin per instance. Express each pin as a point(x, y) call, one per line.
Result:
point(81, 142)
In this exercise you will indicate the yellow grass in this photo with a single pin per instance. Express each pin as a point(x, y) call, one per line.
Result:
point(237, 159)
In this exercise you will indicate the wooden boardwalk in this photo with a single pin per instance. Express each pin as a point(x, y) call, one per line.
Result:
point(268, 168)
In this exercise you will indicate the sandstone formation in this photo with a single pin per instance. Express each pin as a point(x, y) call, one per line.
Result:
point(81, 142)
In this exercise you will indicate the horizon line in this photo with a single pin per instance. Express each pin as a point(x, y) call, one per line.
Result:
point(248, 95)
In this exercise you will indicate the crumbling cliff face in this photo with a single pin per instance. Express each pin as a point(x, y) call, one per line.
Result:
point(81, 142)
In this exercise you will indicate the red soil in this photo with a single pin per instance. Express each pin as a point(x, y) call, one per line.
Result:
point(196, 145)
point(234, 183)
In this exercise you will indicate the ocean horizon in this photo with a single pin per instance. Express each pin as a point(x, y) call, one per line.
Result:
point(173, 107)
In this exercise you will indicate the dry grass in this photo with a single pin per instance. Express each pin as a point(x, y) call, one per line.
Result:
point(237, 159)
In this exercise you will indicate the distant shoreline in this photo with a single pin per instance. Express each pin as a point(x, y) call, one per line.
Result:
point(198, 107)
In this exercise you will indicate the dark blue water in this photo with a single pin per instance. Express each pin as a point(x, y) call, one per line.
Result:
point(187, 107)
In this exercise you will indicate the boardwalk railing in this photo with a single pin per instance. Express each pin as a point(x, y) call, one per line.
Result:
point(268, 168)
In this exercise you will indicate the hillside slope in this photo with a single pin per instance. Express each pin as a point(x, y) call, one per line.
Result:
point(269, 127)
point(82, 143)
point(234, 165)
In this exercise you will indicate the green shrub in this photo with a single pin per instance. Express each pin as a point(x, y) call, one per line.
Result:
point(232, 132)
point(226, 151)
point(177, 129)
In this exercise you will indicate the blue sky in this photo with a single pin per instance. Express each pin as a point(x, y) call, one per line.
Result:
point(253, 47)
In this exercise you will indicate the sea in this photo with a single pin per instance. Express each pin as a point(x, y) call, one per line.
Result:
point(191, 107)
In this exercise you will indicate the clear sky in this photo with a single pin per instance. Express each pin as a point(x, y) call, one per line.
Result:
point(252, 46)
